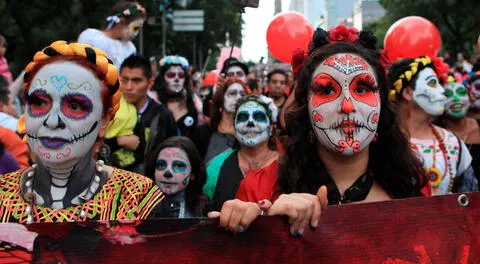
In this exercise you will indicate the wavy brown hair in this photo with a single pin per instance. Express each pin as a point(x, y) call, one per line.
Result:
point(393, 164)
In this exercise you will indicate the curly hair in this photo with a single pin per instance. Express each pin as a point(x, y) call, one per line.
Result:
point(194, 189)
point(391, 161)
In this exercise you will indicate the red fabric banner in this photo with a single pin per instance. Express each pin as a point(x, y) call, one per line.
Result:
point(420, 230)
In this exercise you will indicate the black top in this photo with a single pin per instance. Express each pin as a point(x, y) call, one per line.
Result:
point(228, 181)
point(475, 152)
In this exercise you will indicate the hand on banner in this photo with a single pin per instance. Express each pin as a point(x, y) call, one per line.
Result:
point(237, 215)
point(302, 209)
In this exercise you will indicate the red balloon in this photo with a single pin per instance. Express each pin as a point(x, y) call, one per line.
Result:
point(286, 32)
point(411, 37)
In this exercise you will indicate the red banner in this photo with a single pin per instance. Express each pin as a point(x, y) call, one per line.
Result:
point(442, 229)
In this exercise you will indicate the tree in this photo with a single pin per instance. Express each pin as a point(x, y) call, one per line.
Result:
point(457, 20)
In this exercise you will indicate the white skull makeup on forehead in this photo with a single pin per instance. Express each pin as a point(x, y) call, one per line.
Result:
point(234, 92)
point(133, 28)
point(458, 101)
point(63, 113)
point(252, 125)
point(475, 93)
point(237, 72)
point(428, 93)
point(344, 103)
point(173, 170)
point(175, 78)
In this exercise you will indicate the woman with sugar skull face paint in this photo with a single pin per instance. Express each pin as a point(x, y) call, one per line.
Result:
point(456, 120)
point(473, 83)
point(124, 22)
point(67, 113)
point(345, 143)
point(219, 135)
point(415, 88)
point(253, 122)
point(177, 169)
point(174, 89)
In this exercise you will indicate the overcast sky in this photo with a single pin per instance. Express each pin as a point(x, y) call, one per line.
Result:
point(254, 43)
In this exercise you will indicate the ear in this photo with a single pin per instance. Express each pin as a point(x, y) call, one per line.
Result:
point(192, 177)
point(407, 94)
point(151, 82)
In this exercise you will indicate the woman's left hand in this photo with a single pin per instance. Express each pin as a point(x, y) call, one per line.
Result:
point(237, 215)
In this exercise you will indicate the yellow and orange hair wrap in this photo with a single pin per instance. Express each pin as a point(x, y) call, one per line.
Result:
point(88, 54)
point(404, 79)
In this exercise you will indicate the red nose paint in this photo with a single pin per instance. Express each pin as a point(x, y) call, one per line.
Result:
point(347, 106)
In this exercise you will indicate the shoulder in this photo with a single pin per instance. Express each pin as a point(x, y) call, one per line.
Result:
point(10, 180)
point(89, 34)
point(130, 180)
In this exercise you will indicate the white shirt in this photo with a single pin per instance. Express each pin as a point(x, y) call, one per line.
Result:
point(116, 50)
point(8, 121)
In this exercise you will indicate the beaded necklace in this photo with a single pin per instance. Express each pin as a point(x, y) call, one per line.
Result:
point(433, 174)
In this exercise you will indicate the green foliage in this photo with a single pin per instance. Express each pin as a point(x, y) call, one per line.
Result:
point(457, 20)
point(30, 25)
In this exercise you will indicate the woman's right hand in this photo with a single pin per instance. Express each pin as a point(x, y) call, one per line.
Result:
point(302, 209)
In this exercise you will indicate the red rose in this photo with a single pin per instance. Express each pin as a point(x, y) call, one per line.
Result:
point(441, 68)
point(342, 33)
point(298, 58)
point(384, 59)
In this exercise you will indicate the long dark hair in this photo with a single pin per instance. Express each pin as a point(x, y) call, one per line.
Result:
point(194, 189)
point(164, 95)
point(391, 161)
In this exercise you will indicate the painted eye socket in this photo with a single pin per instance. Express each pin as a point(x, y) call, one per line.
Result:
point(260, 116)
point(432, 83)
point(179, 166)
point(361, 90)
point(242, 117)
point(172, 75)
point(476, 86)
point(76, 106)
point(39, 103)
point(161, 165)
point(462, 91)
point(448, 93)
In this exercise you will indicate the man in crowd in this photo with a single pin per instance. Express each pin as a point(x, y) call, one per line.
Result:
point(277, 83)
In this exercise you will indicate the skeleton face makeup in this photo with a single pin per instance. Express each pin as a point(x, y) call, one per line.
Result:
point(252, 125)
point(428, 93)
point(458, 101)
point(475, 93)
point(175, 78)
point(236, 71)
point(232, 94)
point(344, 103)
point(173, 170)
point(63, 113)
point(132, 29)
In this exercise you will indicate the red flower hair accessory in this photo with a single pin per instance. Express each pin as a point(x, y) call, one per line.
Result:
point(384, 59)
point(343, 33)
point(441, 68)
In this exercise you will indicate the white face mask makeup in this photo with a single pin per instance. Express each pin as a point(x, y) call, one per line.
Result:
point(428, 93)
point(173, 170)
point(458, 101)
point(232, 94)
point(132, 29)
point(175, 78)
point(344, 104)
point(252, 125)
point(63, 113)
point(475, 93)
point(237, 72)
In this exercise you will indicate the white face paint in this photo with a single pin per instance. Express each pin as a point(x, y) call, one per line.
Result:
point(252, 125)
point(428, 93)
point(475, 93)
point(63, 113)
point(232, 94)
point(237, 72)
point(344, 103)
point(175, 78)
point(458, 101)
point(133, 28)
point(173, 170)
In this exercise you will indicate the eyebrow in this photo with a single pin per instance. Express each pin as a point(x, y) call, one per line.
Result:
point(430, 77)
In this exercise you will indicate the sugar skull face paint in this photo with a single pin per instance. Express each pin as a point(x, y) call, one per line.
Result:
point(237, 72)
point(132, 29)
point(63, 113)
point(232, 94)
point(344, 103)
point(428, 93)
point(173, 170)
point(458, 101)
point(252, 125)
point(475, 93)
point(175, 78)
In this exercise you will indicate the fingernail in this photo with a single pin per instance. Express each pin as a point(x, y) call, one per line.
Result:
point(240, 229)
point(296, 234)
point(315, 224)
point(301, 230)
point(262, 202)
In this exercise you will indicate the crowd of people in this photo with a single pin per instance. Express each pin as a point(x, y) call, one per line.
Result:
point(112, 135)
